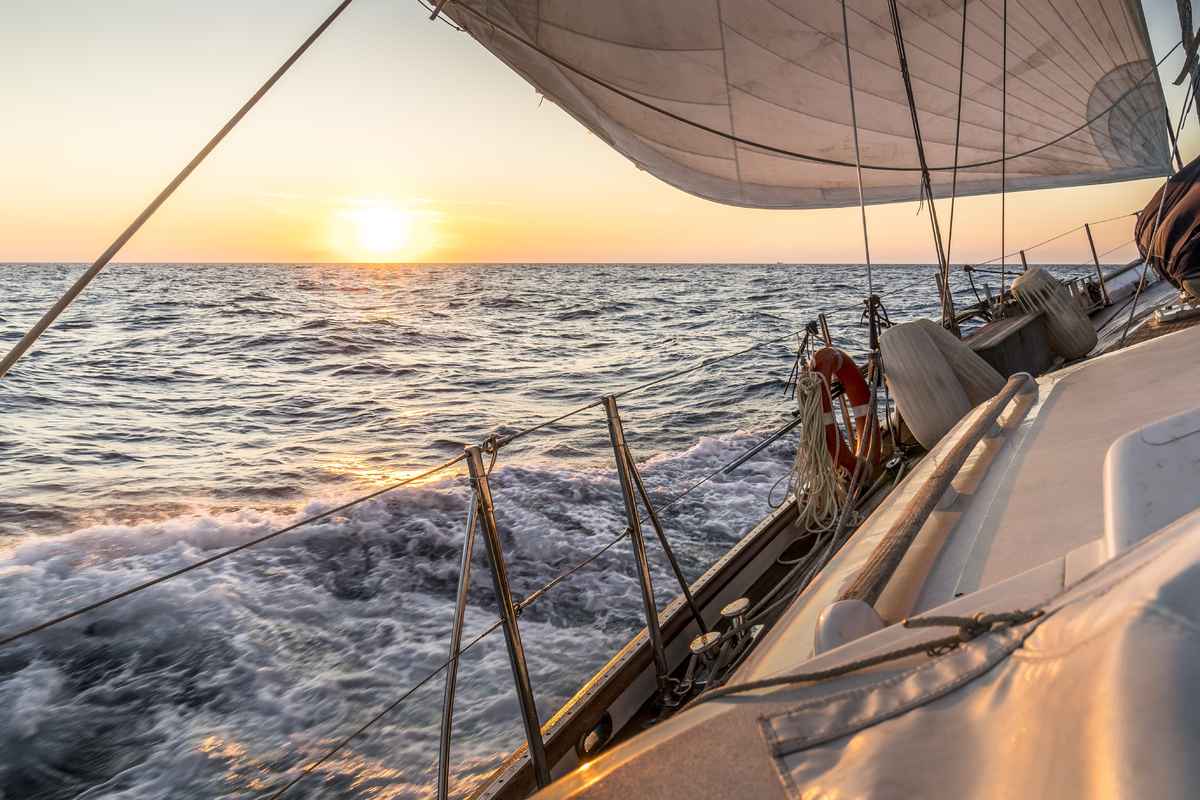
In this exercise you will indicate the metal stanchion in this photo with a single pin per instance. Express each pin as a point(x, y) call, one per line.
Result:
point(617, 435)
point(508, 612)
point(1096, 259)
point(460, 610)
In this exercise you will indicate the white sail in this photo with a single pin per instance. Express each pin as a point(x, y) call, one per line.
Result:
point(750, 82)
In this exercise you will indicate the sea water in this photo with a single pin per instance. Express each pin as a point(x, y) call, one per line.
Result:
point(179, 409)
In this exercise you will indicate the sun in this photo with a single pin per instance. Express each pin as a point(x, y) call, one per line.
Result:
point(381, 230)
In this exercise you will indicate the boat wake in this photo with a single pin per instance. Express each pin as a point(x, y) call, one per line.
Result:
point(230, 678)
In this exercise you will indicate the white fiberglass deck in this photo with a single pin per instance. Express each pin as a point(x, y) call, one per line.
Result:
point(1027, 497)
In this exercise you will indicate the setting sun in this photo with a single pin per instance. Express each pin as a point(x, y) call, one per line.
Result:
point(381, 230)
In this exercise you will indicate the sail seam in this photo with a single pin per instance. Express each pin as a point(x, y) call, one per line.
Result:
point(898, 103)
point(737, 162)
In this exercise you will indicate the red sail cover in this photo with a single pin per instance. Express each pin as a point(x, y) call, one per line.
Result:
point(1173, 246)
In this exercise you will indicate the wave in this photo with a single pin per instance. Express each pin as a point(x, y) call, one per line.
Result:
point(222, 680)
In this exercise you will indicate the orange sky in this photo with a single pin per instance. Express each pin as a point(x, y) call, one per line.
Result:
point(390, 124)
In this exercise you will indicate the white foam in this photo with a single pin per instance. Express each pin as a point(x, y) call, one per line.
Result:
point(234, 673)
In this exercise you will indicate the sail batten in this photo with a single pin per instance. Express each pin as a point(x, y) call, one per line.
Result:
point(745, 101)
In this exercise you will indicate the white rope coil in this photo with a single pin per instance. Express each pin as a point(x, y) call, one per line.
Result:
point(816, 482)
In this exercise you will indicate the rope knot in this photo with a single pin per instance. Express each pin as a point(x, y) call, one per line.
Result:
point(969, 628)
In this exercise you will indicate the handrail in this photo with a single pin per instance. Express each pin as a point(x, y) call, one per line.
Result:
point(881, 565)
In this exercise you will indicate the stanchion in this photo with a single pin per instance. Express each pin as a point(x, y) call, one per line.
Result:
point(508, 612)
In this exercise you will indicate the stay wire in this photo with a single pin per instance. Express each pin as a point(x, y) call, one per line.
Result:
point(495, 26)
point(962, 62)
point(1003, 145)
point(862, 201)
point(47, 319)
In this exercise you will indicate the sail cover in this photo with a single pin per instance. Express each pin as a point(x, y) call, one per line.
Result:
point(721, 98)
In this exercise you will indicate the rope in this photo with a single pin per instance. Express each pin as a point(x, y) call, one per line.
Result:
point(495, 26)
point(969, 628)
point(815, 481)
point(100, 263)
point(360, 730)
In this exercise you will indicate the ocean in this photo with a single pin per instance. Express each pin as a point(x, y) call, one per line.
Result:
point(178, 409)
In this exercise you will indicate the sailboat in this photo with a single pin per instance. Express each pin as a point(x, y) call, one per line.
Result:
point(1009, 614)
point(983, 580)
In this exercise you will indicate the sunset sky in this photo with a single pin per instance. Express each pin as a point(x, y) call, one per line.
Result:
point(394, 139)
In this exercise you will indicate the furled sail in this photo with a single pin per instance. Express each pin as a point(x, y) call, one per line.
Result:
point(721, 98)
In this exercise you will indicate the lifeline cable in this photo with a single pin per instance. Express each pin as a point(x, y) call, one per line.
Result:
point(341, 745)
point(495, 443)
point(223, 554)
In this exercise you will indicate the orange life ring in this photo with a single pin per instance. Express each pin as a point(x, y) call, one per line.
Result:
point(829, 362)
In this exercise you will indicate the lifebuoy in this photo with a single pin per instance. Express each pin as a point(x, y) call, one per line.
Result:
point(829, 362)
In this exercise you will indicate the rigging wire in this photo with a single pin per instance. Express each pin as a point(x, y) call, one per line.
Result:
point(962, 62)
point(1003, 144)
point(948, 320)
point(1111, 250)
point(706, 363)
point(493, 446)
point(222, 554)
point(1055, 237)
point(100, 263)
point(528, 601)
point(862, 202)
point(486, 20)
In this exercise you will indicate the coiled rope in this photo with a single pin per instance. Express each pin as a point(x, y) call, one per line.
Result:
point(815, 482)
